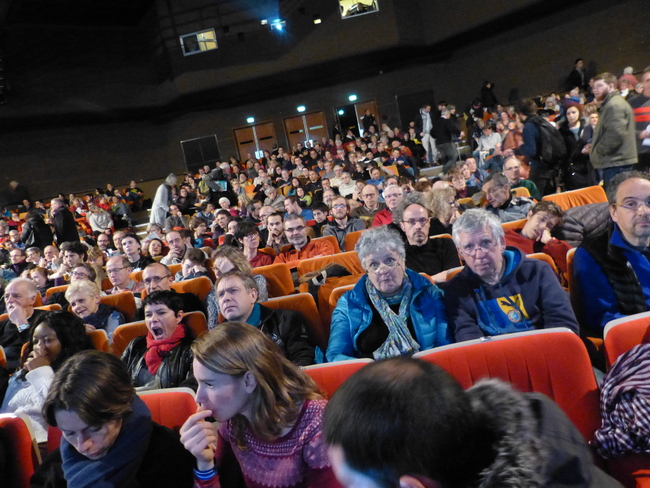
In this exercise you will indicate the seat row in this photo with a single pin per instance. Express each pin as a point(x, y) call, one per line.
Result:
point(550, 361)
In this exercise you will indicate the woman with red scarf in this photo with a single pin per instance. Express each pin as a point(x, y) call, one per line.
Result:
point(162, 358)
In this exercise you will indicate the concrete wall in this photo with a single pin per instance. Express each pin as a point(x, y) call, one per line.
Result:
point(133, 134)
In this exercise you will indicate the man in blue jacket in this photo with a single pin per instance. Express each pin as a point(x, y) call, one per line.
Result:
point(500, 290)
point(613, 271)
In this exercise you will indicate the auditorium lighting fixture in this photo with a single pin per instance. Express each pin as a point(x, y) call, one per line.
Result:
point(250, 120)
point(352, 98)
point(317, 19)
point(341, 112)
point(301, 108)
point(278, 24)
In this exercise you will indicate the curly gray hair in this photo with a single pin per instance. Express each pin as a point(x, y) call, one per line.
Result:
point(413, 198)
point(379, 239)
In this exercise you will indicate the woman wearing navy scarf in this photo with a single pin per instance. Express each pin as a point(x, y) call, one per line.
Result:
point(109, 439)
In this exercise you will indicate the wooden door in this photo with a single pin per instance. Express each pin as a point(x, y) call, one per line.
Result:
point(316, 126)
point(361, 107)
point(295, 130)
point(302, 128)
point(254, 139)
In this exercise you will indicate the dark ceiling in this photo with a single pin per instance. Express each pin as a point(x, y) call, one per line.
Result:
point(74, 12)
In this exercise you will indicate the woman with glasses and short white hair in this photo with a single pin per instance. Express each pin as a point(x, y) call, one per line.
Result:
point(391, 311)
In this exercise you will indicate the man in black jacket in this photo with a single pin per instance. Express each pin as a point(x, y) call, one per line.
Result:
point(237, 295)
point(446, 132)
point(423, 255)
point(65, 226)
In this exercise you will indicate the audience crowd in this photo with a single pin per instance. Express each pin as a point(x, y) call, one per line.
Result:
point(235, 226)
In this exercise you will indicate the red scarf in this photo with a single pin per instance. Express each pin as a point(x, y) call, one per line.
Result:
point(157, 350)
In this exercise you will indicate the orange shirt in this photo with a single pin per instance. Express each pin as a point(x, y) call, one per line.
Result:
point(318, 247)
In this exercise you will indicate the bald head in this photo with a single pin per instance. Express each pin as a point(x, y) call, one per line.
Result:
point(21, 294)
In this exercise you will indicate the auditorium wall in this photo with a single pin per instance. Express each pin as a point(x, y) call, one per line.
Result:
point(111, 117)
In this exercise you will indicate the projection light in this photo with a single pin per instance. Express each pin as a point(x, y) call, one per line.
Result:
point(278, 24)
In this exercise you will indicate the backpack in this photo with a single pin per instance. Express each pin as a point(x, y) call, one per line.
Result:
point(552, 150)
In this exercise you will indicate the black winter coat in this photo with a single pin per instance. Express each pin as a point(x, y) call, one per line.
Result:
point(175, 370)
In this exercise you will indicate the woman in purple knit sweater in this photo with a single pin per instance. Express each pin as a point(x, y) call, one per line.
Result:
point(269, 411)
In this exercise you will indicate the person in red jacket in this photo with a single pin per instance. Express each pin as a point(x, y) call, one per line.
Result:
point(392, 194)
point(535, 236)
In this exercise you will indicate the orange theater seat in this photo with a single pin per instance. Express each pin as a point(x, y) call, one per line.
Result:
point(50, 291)
point(124, 334)
point(330, 376)
point(99, 339)
point(196, 322)
point(20, 450)
point(278, 279)
point(170, 407)
point(540, 256)
point(304, 303)
point(575, 198)
point(348, 259)
point(331, 239)
point(515, 225)
point(338, 293)
point(3, 358)
point(352, 238)
point(136, 275)
point(453, 272)
point(549, 361)
point(521, 192)
point(123, 302)
point(200, 286)
point(106, 284)
point(623, 334)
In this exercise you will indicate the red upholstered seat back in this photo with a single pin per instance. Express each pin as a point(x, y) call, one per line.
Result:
point(330, 376)
point(550, 361)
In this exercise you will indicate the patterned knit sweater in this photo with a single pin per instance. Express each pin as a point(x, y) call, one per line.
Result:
point(297, 459)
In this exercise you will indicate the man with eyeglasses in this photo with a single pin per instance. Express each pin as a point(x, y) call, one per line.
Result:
point(423, 255)
point(104, 243)
point(392, 195)
point(371, 204)
point(512, 170)
point(158, 277)
point(302, 247)
point(118, 269)
point(177, 248)
point(613, 270)
point(500, 290)
point(72, 253)
point(18, 264)
point(342, 224)
point(506, 207)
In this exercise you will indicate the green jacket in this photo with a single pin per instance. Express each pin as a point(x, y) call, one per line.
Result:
point(614, 142)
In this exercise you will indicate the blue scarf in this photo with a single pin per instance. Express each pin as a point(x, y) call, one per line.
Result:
point(120, 466)
point(399, 340)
